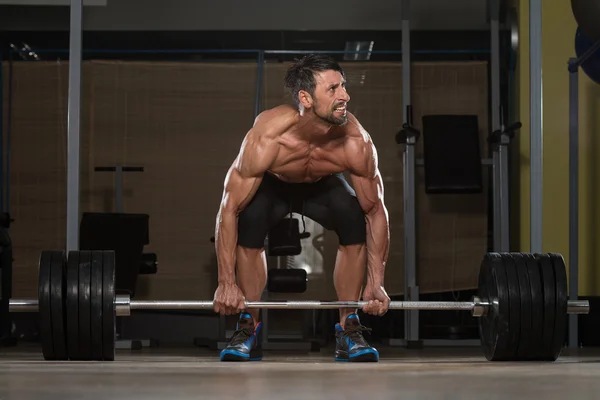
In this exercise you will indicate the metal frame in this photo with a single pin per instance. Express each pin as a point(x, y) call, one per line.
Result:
point(74, 124)
point(536, 150)
point(411, 289)
point(573, 68)
point(573, 197)
point(499, 163)
point(500, 157)
point(73, 145)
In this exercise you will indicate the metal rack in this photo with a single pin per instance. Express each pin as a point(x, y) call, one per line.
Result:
point(499, 160)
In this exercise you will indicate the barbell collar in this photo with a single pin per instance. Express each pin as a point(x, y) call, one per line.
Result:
point(578, 307)
point(23, 305)
point(122, 305)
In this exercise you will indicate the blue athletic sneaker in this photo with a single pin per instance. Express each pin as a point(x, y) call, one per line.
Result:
point(245, 344)
point(350, 343)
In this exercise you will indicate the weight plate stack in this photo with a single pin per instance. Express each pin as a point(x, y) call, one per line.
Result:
point(108, 306)
point(494, 326)
point(72, 306)
point(96, 305)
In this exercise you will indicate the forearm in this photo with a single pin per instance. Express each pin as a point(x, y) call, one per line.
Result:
point(378, 243)
point(225, 245)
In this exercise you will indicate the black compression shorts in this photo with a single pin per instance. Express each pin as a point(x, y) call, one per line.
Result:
point(330, 202)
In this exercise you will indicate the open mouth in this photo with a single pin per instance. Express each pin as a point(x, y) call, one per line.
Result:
point(341, 109)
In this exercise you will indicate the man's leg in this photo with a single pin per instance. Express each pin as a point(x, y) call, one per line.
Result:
point(348, 275)
point(266, 208)
point(252, 274)
point(334, 205)
point(251, 268)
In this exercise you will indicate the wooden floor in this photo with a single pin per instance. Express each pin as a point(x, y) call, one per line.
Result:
point(197, 374)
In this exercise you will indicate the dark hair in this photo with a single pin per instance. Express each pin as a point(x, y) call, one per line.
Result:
point(300, 76)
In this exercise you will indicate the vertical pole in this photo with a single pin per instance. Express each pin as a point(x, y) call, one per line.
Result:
point(493, 6)
point(536, 153)
point(500, 156)
point(2, 183)
point(74, 110)
point(573, 199)
point(411, 291)
point(259, 83)
point(258, 97)
point(9, 128)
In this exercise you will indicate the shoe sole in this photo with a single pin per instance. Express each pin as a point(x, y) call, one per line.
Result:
point(365, 356)
point(238, 356)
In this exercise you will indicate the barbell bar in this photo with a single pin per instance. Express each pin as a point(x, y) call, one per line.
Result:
point(521, 305)
point(124, 305)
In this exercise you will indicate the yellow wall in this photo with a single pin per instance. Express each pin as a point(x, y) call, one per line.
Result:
point(558, 35)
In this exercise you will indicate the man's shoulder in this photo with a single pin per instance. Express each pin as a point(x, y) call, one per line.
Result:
point(359, 147)
point(355, 133)
point(275, 121)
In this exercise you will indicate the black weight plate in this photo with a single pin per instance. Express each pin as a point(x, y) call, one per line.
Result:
point(514, 314)
point(96, 302)
point(549, 288)
point(560, 318)
point(494, 326)
point(537, 305)
point(44, 304)
point(85, 305)
point(108, 305)
point(525, 339)
point(72, 305)
point(57, 303)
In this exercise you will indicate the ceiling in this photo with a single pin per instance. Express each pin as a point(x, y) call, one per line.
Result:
point(205, 15)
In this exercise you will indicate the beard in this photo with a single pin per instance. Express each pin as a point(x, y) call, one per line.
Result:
point(331, 118)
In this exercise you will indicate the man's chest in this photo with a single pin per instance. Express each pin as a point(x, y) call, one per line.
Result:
point(310, 159)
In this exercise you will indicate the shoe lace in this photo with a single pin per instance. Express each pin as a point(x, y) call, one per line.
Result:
point(355, 333)
point(241, 335)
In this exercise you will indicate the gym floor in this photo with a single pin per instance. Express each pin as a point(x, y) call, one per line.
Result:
point(196, 373)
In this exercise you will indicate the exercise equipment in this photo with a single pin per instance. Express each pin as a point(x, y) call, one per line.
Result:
point(452, 156)
point(588, 55)
point(587, 15)
point(284, 238)
point(287, 280)
point(587, 50)
point(521, 305)
point(444, 134)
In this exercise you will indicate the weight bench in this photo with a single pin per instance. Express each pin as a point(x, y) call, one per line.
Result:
point(125, 234)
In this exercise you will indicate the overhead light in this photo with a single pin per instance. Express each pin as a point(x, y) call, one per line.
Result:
point(358, 51)
point(25, 52)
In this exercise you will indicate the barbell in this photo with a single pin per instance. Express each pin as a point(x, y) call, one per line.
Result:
point(521, 305)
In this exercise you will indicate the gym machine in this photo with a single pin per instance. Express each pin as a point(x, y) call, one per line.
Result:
point(587, 49)
point(438, 181)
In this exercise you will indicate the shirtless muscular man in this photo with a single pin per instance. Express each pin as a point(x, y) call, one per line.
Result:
point(293, 158)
